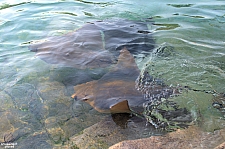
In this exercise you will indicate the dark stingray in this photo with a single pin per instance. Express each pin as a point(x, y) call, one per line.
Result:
point(95, 44)
point(115, 92)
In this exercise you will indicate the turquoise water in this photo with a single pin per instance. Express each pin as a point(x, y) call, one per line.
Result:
point(35, 96)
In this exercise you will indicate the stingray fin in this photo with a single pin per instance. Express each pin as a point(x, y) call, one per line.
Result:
point(121, 107)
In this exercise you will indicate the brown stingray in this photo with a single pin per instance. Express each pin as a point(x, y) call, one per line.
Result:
point(115, 92)
point(95, 44)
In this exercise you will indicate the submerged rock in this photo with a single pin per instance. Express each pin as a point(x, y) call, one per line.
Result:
point(106, 133)
point(221, 146)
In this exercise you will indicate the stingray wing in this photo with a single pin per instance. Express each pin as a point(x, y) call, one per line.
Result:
point(120, 107)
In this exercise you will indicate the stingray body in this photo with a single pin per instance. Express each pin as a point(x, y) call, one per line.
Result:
point(115, 92)
point(123, 89)
point(96, 44)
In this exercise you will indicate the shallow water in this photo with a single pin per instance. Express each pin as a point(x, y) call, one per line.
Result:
point(35, 96)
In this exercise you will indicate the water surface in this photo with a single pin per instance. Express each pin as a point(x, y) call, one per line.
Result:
point(35, 96)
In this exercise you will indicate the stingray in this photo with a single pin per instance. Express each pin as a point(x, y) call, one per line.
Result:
point(96, 44)
point(115, 92)
point(124, 89)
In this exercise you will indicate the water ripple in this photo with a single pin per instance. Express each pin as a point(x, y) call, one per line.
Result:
point(5, 5)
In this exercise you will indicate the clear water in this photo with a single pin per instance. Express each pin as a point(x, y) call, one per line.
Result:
point(35, 96)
